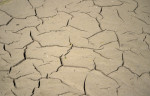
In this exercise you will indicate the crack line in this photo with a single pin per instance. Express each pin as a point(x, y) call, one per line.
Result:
point(14, 83)
point(99, 24)
point(101, 54)
point(77, 28)
point(141, 20)
point(4, 48)
point(119, 66)
point(137, 5)
point(33, 92)
point(119, 15)
point(36, 69)
point(13, 93)
point(118, 40)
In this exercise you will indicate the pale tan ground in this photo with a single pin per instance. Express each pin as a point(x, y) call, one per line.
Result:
point(74, 47)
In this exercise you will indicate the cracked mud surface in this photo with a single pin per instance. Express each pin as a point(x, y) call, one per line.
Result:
point(74, 47)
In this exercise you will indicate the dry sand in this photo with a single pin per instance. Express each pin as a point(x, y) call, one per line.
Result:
point(74, 47)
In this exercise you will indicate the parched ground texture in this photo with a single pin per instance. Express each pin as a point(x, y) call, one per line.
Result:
point(74, 47)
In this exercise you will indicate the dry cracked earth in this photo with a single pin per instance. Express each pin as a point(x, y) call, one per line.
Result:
point(74, 47)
